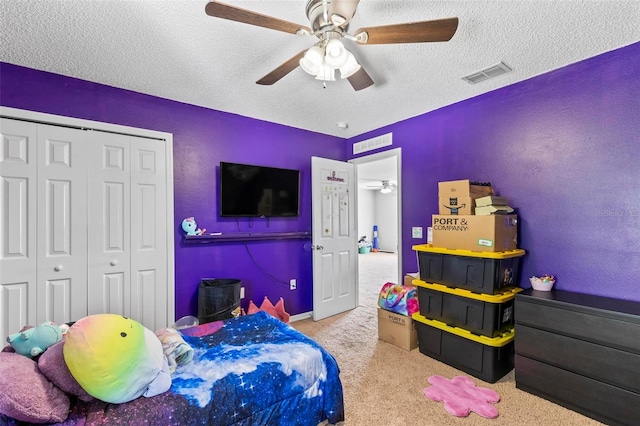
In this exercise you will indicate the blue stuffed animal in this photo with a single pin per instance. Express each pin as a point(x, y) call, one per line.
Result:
point(190, 226)
point(34, 341)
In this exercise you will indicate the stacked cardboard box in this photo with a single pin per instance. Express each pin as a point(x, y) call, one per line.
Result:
point(457, 227)
point(492, 204)
point(457, 197)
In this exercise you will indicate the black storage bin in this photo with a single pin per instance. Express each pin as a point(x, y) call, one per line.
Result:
point(488, 359)
point(483, 314)
point(218, 298)
point(481, 272)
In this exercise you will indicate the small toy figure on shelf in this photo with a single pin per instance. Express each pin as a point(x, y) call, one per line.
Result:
point(190, 226)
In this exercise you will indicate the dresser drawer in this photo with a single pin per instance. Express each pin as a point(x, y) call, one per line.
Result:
point(601, 401)
point(613, 366)
point(609, 322)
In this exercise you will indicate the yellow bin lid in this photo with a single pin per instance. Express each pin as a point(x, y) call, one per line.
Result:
point(499, 341)
point(504, 295)
point(456, 252)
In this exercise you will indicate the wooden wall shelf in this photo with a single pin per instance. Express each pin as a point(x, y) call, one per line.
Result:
point(246, 236)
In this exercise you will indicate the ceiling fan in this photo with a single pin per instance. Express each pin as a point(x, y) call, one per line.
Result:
point(384, 186)
point(329, 21)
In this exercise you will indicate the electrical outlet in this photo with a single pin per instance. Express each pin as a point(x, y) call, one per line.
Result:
point(292, 284)
point(241, 292)
point(416, 232)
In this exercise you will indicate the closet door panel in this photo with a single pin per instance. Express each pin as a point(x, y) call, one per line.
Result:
point(18, 253)
point(62, 224)
point(109, 221)
point(148, 233)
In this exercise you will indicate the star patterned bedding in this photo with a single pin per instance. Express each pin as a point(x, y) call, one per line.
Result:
point(253, 370)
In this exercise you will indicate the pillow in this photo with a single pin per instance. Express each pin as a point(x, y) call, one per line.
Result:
point(51, 364)
point(26, 394)
point(115, 359)
point(266, 306)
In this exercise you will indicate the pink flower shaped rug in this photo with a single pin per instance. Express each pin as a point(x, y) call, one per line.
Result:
point(461, 396)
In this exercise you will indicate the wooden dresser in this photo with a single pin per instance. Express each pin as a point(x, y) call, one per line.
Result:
point(580, 351)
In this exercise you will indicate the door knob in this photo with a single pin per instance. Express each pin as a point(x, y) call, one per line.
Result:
point(319, 247)
point(57, 268)
point(113, 263)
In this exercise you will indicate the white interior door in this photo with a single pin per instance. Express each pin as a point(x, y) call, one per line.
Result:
point(18, 253)
point(335, 245)
point(62, 224)
point(109, 275)
point(150, 302)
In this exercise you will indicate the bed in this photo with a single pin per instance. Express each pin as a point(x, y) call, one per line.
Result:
point(253, 370)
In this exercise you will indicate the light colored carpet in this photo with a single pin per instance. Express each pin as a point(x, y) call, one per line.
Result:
point(383, 384)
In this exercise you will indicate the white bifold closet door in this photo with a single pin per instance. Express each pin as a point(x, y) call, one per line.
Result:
point(127, 251)
point(61, 224)
point(83, 226)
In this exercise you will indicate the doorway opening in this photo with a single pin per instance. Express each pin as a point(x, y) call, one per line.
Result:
point(379, 204)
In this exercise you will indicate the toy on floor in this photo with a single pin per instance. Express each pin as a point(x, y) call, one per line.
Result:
point(190, 226)
point(34, 341)
point(461, 396)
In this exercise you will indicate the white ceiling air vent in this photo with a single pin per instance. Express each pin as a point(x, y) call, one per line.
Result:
point(487, 73)
point(373, 143)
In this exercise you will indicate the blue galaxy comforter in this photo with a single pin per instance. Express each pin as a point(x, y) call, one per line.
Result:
point(254, 370)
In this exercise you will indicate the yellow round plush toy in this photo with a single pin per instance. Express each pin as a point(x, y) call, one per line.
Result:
point(115, 359)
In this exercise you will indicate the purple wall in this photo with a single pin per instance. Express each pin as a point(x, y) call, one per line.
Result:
point(564, 147)
point(202, 138)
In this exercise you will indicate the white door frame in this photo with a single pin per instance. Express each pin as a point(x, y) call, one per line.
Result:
point(44, 118)
point(397, 153)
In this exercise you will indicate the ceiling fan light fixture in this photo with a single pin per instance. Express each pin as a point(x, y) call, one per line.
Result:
point(312, 60)
point(386, 190)
point(350, 67)
point(336, 55)
point(326, 73)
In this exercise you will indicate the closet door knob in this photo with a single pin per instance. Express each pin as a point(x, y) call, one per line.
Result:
point(113, 263)
point(57, 268)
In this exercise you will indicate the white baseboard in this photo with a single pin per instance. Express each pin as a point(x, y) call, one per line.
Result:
point(301, 316)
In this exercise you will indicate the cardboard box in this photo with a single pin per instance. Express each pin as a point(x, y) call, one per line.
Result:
point(456, 205)
point(397, 329)
point(408, 278)
point(475, 233)
point(458, 197)
point(487, 210)
point(463, 188)
point(491, 200)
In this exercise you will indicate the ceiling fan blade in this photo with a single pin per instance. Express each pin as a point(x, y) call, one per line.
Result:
point(413, 32)
point(282, 70)
point(233, 13)
point(360, 80)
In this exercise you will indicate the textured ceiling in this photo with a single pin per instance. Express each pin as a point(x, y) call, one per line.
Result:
point(173, 50)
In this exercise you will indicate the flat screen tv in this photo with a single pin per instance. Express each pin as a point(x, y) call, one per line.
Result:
point(258, 191)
